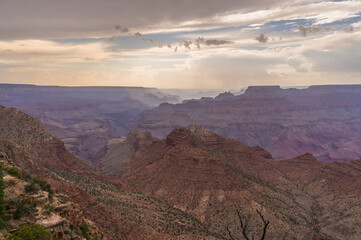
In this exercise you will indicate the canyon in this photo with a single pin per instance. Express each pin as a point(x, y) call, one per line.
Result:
point(164, 181)
point(84, 118)
point(322, 120)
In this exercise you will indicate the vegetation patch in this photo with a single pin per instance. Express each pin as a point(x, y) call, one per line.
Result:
point(31, 232)
point(15, 172)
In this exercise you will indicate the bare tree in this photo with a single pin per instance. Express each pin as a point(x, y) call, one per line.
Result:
point(244, 225)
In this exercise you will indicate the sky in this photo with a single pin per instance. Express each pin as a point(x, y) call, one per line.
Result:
point(187, 44)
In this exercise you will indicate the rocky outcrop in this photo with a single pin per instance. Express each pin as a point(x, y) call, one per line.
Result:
point(322, 120)
point(210, 177)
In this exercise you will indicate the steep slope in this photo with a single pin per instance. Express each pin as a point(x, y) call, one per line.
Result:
point(31, 135)
point(322, 120)
point(120, 214)
point(211, 177)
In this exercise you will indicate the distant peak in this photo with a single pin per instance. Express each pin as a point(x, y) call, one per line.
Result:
point(224, 95)
point(263, 88)
point(263, 91)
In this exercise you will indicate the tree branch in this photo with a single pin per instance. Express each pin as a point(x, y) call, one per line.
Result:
point(265, 222)
point(243, 225)
point(230, 234)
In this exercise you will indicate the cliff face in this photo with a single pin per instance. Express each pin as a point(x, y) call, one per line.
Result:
point(322, 120)
point(210, 177)
point(31, 136)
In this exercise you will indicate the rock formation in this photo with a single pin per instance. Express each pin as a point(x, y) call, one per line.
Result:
point(322, 120)
point(211, 177)
point(113, 159)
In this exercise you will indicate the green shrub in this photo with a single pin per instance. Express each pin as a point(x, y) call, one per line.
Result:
point(63, 199)
point(85, 230)
point(48, 209)
point(12, 202)
point(32, 188)
point(7, 218)
point(43, 185)
point(2, 224)
point(31, 232)
point(26, 208)
point(17, 214)
point(15, 172)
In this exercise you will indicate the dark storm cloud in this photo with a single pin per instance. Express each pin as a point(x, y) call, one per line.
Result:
point(23, 19)
point(261, 38)
point(307, 30)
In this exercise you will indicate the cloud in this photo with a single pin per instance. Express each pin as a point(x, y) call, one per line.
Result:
point(121, 29)
point(261, 38)
point(44, 19)
point(216, 42)
point(198, 43)
point(82, 18)
point(297, 64)
point(348, 29)
point(145, 39)
point(41, 51)
point(210, 42)
point(341, 53)
point(186, 43)
point(307, 30)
